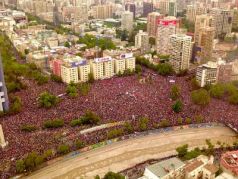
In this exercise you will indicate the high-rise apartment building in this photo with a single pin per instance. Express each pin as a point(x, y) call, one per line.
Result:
point(102, 68)
point(84, 71)
point(103, 11)
point(75, 14)
point(168, 7)
point(69, 74)
point(166, 28)
point(194, 10)
point(180, 51)
point(222, 21)
point(127, 21)
point(207, 74)
point(142, 41)
point(235, 19)
point(205, 42)
point(120, 66)
point(148, 7)
point(152, 23)
point(201, 22)
point(131, 7)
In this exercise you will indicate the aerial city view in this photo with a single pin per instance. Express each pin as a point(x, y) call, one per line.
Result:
point(119, 89)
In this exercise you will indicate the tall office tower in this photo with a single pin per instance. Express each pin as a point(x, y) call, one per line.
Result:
point(152, 23)
point(166, 28)
point(148, 7)
point(168, 7)
point(195, 10)
point(180, 51)
point(222, 21)
point(4, 102)
point(127, 21)
point(142, 41)
point(131, 7)
point(103, 11)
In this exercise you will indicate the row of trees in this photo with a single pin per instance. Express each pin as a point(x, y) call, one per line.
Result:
point(227, 91)
point(161, 68)
point(33, 160)
point(92, 41)
point(111, 175)
point(184, 154)
point(89, 118)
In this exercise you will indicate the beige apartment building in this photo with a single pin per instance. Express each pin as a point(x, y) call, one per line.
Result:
point(202, 21)
point(152, 23)
point(102, 68)
point(69, 74)
point(180, 51)
point(120, 66)
point(205, 41)
point(130, 63)
point(207, 74)
point(222, 21)
point(78, 70)
point(168, 7)
point(97, 70)
point(194, 10)
point(102, 11)
point(142, 41)
point(84, 71)
point(127, 21)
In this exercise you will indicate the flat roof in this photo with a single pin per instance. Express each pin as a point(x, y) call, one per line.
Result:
point(193, 165)
point(161, 169)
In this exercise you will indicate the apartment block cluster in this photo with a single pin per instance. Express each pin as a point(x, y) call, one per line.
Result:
point(47, 50)
point(212, 21)
point(11, 18)
point(77, 69)
point(201, 167)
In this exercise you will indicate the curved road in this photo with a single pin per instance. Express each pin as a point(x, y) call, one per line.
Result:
point(125, 154)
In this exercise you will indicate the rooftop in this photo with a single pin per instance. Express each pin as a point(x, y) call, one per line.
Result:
point(193, 165)
point(229, 160)
point(163, 168)
point(212, 168)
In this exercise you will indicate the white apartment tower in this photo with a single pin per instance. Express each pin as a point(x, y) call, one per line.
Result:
point(180, 51)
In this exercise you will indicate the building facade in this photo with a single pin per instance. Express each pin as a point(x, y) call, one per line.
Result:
point(142, 41)
point(166, 28)
point(152, 23)
point(180, 51)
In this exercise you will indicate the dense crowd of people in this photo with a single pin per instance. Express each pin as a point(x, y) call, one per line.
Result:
point(116, 99)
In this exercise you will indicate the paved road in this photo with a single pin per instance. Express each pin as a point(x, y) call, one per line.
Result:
point(125, 154)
